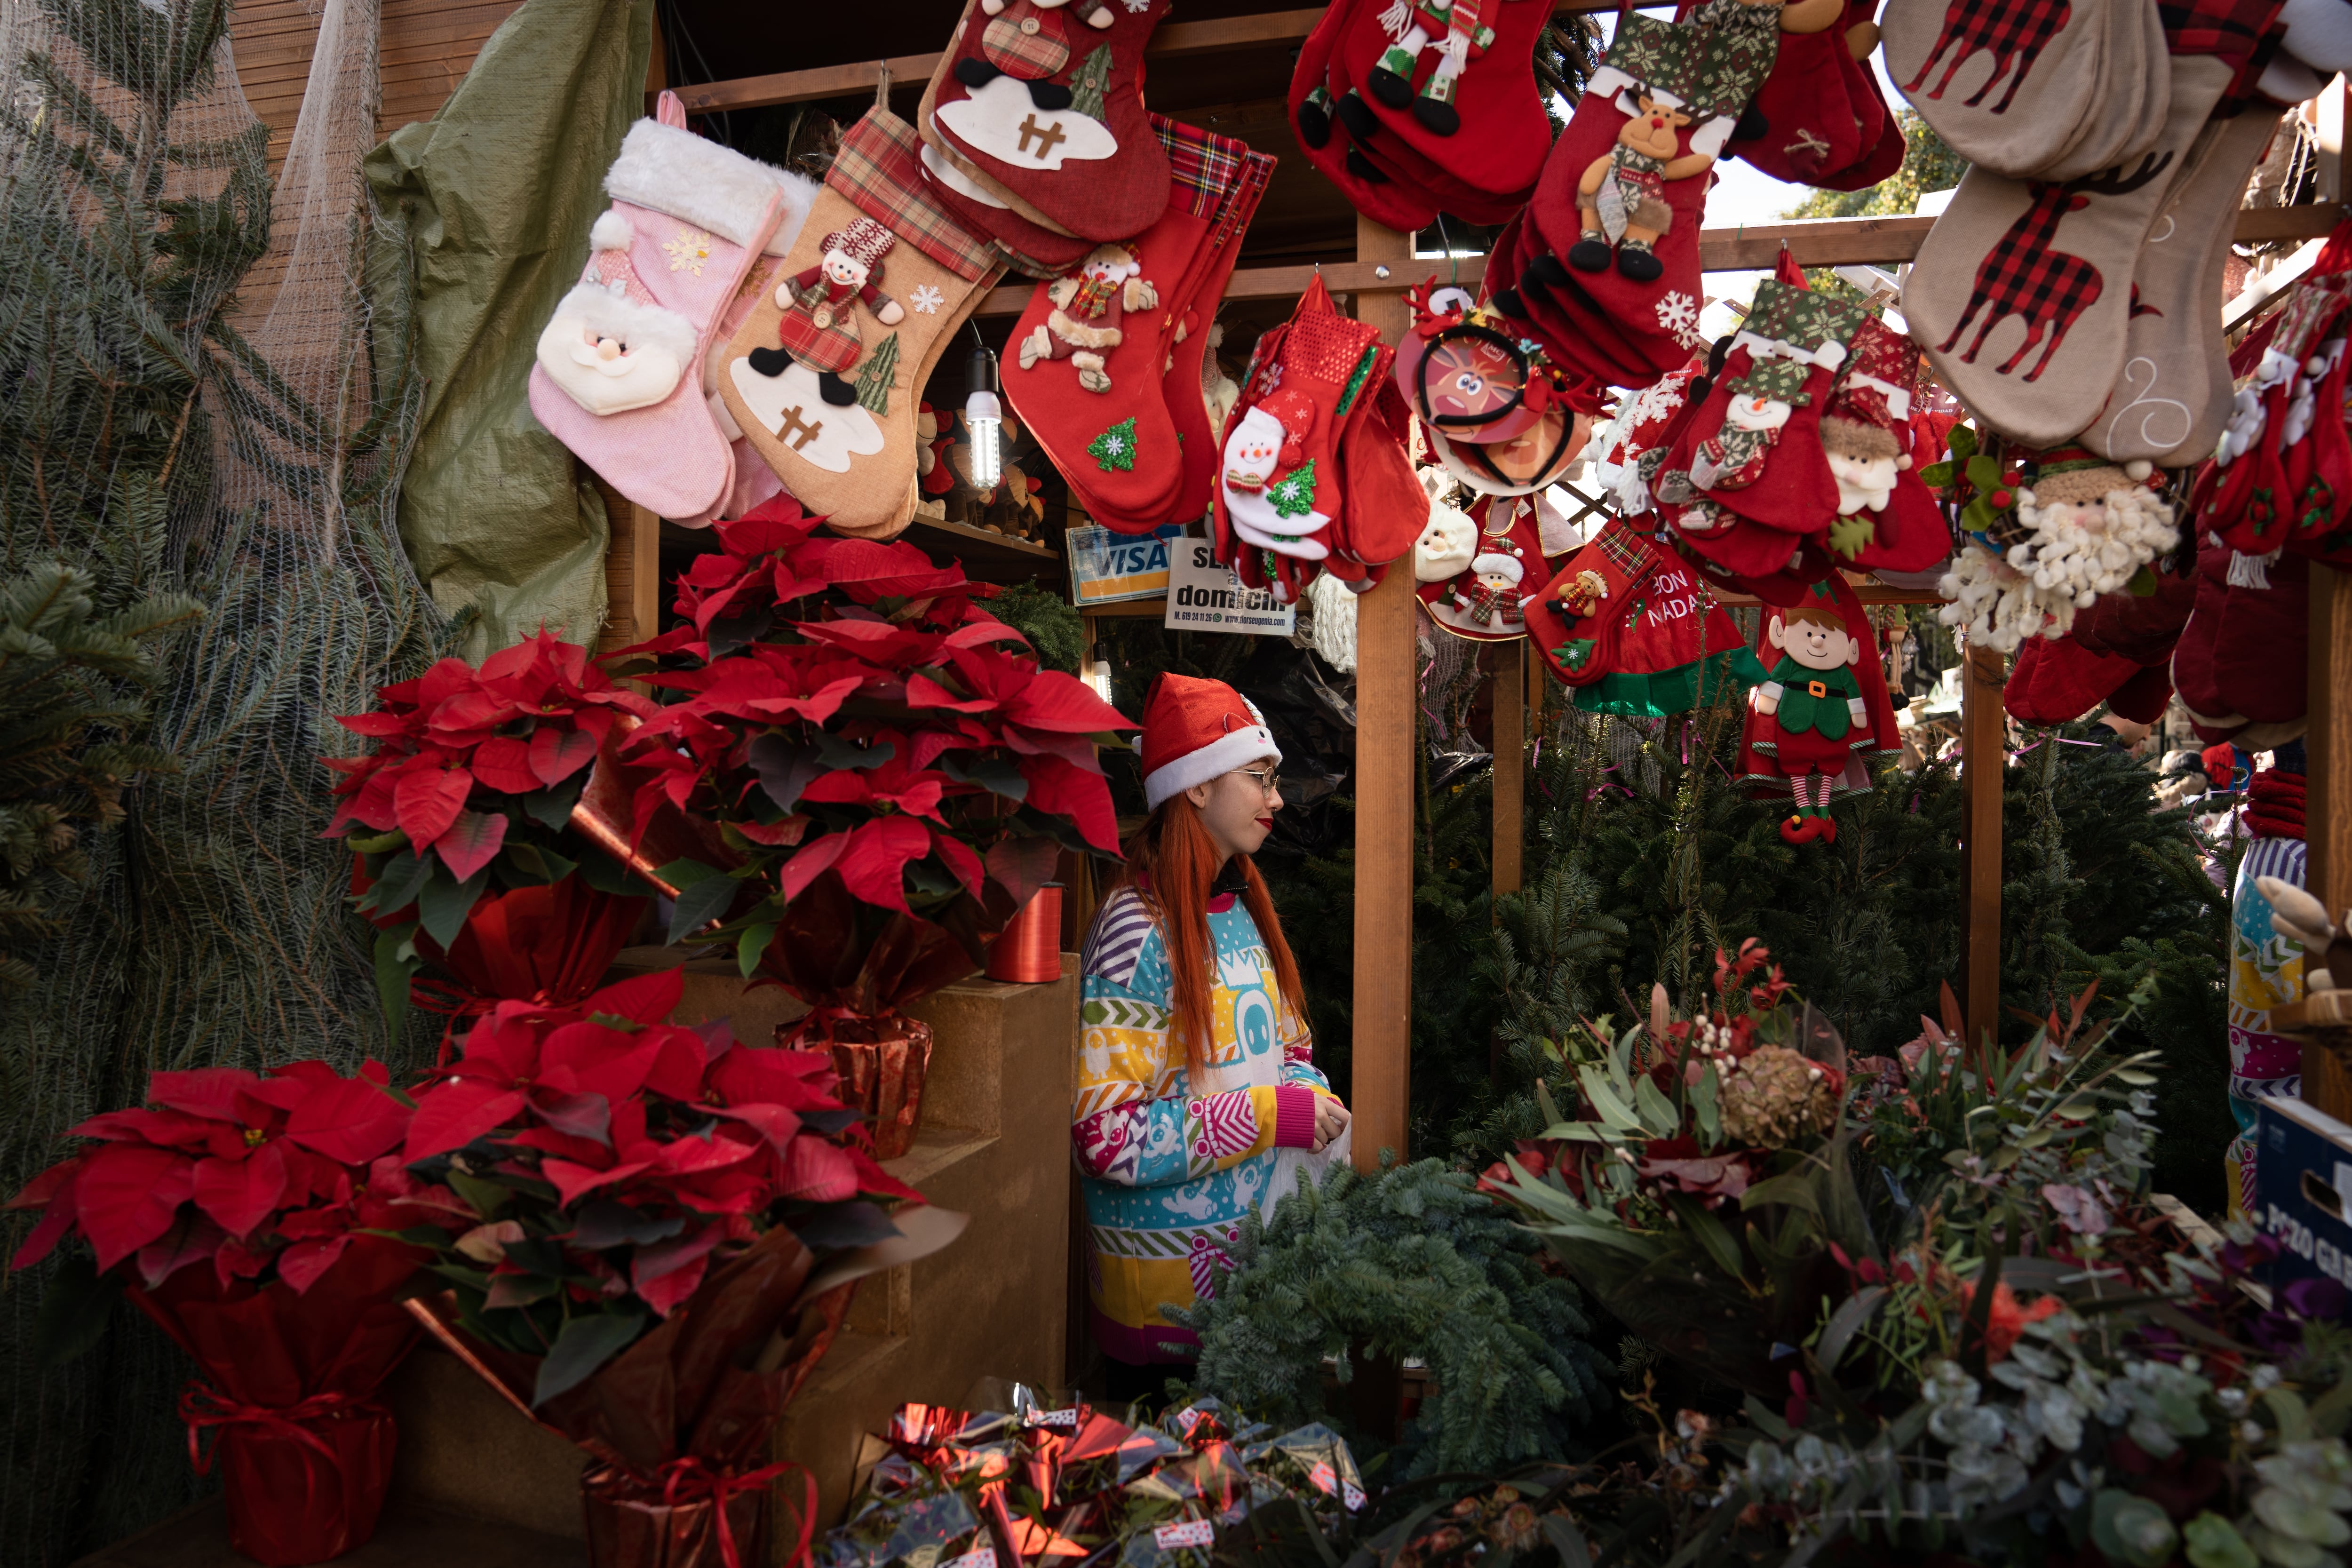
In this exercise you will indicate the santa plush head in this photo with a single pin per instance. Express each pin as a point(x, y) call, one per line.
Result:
point(1448, 541)
point(609, 346)
point(1112, 263)
point(1861, 428)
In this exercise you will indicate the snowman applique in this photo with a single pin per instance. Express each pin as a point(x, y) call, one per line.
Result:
point(1734, 457)
point(1269, 481)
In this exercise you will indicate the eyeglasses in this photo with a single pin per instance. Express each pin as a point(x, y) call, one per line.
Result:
point(1267, 784)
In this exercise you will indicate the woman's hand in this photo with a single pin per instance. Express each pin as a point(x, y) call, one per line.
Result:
point(1330, 1120)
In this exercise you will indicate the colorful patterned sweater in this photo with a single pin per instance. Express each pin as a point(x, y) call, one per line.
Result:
point(1170, 1167)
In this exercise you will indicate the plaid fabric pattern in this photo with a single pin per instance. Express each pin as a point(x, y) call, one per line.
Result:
point(2010, 32)
point(2227, 29)
point(1093, 298)
point(1202, 167)
point(1624, 550)
point(880, 172)
point(1032, 57)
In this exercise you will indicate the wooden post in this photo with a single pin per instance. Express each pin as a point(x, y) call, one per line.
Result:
point(2327, 803)
point(1385, 737)
point(1984, 759)
point(632, 582)
point(1510, 765)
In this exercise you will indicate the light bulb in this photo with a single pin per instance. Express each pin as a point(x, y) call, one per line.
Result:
point(983, 414)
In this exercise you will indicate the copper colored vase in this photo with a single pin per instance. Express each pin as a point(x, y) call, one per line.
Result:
point(882, 1063)
point(1029, 949)
point(633, 1525)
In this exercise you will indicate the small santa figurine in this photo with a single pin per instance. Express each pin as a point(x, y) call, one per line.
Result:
point(1492, 592)
point(819, 327)
point(1867, 418)
point(1090, 308)
point(1810, 710)
point(1028, 41)
point(1734, 457)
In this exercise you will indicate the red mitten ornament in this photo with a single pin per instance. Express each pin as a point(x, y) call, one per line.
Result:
point(1045, 98)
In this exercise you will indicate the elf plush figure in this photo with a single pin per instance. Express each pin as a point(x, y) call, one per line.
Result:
point(1621, 199)
point(1823, 709)
point(1450, 26)
point(1028, 41)
point(819, 327)
point(1090, 306)
point(1735, 455)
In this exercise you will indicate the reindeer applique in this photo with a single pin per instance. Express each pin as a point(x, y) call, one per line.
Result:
point(2023, 275)
point(2013, 34)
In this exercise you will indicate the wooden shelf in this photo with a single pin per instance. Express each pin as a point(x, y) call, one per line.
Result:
point(989, 537)
point(1129, 609)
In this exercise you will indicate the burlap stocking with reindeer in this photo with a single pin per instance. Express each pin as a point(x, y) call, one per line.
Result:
point(2009, 84)
point(2022, 292)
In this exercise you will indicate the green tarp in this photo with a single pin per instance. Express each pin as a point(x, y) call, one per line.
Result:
point(496, 193)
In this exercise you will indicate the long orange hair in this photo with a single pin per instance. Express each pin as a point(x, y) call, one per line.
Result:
point(1173, 862)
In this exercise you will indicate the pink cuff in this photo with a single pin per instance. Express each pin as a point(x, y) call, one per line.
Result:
point(1293, 1115)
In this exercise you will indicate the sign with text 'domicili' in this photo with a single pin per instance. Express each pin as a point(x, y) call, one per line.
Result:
point(1205, 596)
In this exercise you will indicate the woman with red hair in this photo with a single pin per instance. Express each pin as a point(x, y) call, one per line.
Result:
point(1198, 1097)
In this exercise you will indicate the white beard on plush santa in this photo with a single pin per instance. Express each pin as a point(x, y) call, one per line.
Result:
point(611, 353)
point(1448, 543)
point(1865, 461)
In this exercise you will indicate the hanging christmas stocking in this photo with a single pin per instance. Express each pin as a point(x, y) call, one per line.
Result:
point(1574, 622)
point(1047, 102)
point(1028, 247)
point(823, 376)
point(618, 372)
point(1887, 520)
point(1455, 81)
point(2006, 86)
point(1822, 713)
point(1402, 204)
point(1765, 416)
point(1384, 511)
point(2021, 292)
point(1484, 601)
point(1185, 385)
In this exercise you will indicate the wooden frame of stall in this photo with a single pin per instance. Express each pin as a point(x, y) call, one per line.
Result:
point(1386, 726)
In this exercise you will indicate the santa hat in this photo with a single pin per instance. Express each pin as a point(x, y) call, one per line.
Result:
point(1508, 565)
point(863, 240)
point(1873, 394)
point(1195, 731)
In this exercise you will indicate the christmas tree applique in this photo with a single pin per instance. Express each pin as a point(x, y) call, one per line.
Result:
point(1115, 448)
point(1087, 87)
point(1294, 494)
point(1849, 536)
point(876, 376)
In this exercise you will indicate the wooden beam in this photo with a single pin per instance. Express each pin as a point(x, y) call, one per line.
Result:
point(1510, 765)
point(1174, 40)
point(1814, 242)
point(2327, 804)
point(1984, 757)
point(632, 572)
point(1385, 740)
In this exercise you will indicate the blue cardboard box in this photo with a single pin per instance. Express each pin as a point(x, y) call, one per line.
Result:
point(2303, 1192)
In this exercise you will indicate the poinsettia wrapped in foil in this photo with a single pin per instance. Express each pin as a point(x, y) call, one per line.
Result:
point(656, 1234)
point(245, 1213)
point(460, 820)
point(890, 781)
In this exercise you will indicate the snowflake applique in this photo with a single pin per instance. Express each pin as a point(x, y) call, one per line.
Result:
point(926, 301)
point(689, 251)
point(1294, 494)
point(1267, 380)
point(1137, 7)
point(1678, 314)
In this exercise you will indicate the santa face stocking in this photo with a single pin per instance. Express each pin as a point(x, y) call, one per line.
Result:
point(1043, 97)
point(618, 377)
point(2003, 84)
point(2021, 293)
point(822, 377)
point(1484, 602)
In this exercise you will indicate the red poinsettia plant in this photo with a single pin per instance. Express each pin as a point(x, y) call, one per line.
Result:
point(460, 819)
point(890, 774)
point(248, 1215)
point(607, 1163)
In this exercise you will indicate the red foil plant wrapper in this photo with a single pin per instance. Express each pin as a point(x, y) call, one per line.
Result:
point(656, 1234)
point(890, 777)
point(245, 1215)
point(1046, 1480)
point(460, 820)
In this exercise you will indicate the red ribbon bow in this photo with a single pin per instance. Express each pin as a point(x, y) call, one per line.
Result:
point(202, 1406)
point(691, 1480)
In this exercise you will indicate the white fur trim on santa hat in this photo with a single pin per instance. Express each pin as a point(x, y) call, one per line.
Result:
point(634, 324)
point(2318, 33)
point(1234, 749)
point(1508, 565)
point(677, 173)
point(1898, 399)
point(612, 232)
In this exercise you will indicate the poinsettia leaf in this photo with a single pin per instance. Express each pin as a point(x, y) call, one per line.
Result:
point(552, 807)
point(700, 904)
point(667, 1291)
point(750, 945)
point(728, 633)
point(428, 799)
point(126, 1196)
point(812, 861)
point(581, 1115)
point(785, 768)
point(815, 1171)
point(602, 1223)
point(239, 1193)
point(445, 902)
point(302, 1262)
point(190, 1238)
point(536, 864)
point(557, 754)
point(504, 763)
point(472, 842)
point(403, 877)
point(395, 964)
point(586, 1343)
point(603, 874)
point(573, 1181)
point(873, 863)
point(520, 1289)
point(451, 1115)
point(838, 1228)
point(1021, 864)
point(378, 843)
point(350, 1119)
point(997, 774)
point(841, 752)
point(640, 1000)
